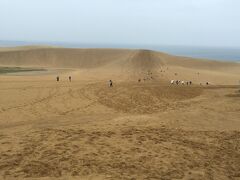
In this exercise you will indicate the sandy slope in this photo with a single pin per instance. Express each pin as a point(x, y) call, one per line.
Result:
point(124, 62)
point(147, 130)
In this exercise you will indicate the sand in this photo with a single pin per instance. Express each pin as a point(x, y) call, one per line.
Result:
point(149, 130)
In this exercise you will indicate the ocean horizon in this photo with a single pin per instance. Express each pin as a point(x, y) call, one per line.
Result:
point(210, 53)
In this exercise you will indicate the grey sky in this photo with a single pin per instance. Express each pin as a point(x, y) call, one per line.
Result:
point(152, 22)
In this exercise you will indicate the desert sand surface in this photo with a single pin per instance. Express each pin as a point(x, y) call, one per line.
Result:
point(134, 130)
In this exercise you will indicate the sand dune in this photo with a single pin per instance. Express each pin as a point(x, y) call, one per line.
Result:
point(135, 130)
point(126, 62)
point(94, 58)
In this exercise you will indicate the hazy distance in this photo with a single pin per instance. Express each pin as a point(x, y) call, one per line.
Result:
point(136, 22)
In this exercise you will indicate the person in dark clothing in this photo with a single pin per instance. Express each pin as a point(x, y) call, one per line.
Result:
point(110, 83)
point(58, 78)
point(70, 79)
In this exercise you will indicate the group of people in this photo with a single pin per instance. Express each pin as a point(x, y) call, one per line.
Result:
point(145, 79)
point(69, 78)
point(177, 82)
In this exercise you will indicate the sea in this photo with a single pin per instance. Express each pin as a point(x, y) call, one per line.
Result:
point(210, 53)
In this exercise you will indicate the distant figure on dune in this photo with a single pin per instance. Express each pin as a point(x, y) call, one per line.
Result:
point(139, 80)
point(207, 83)
point(110, 83)
point(172, 81)
point(57, 78)
point(70, 79)
point(182, 82)
point(190, 82)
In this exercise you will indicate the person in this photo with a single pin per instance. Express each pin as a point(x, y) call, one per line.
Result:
point(70, 78)
point(190, 82)
point(57, 78)
point(207, 83)
point(110, 83)
point(139, 80)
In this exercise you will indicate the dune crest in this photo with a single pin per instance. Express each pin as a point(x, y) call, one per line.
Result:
point(137, 62)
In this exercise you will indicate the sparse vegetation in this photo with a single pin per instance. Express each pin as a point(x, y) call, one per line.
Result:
point(4, 70)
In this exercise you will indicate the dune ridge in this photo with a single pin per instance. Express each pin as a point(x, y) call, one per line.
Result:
point(85, 58)
point(124, 61)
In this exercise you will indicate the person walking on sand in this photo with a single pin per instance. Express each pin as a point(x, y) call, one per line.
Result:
point(57, 78)
point(110, 83)
point(70, 79)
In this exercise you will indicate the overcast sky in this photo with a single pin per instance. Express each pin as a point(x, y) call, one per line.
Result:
point(152, 22)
